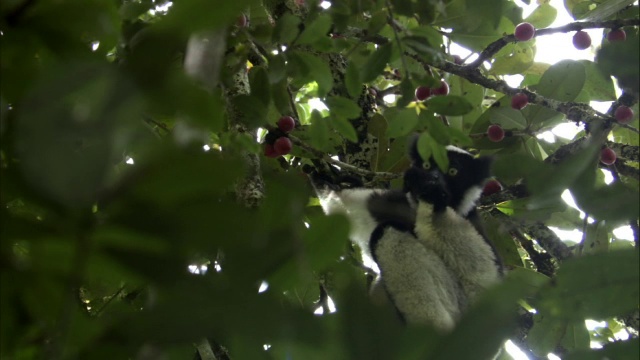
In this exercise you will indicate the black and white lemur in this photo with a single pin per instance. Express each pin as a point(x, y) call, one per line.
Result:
point(425, 241)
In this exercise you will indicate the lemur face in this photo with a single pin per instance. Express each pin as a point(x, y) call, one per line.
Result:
point(459, 187)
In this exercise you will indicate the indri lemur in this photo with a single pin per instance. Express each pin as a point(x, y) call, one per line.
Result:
point(425, 241)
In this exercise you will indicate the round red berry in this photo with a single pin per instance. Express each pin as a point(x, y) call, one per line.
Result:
point(581, 40)
point(519, 101)
point(608, 156)
point(286, 123)
point(491, 187)
point(617, 35)
point(495, 133)
point(443, 89)
point(524, 31)
point(422, 92)
point(242, 21)
point(623, 114)
point(269, 151)
point(282, 146)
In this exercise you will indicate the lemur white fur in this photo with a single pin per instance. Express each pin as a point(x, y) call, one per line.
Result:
point(418, 282)
point(464, 251)
point(353, 204)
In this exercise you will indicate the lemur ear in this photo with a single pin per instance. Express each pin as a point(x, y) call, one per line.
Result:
point(483, 166)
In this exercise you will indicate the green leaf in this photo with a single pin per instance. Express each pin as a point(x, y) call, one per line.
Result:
point(310, 68)
point(421, 46)
point(319, 132)
point(287, 28)
point(252, 110)
point(493, 315)
point(476, 39)
point(485, 120)
point(352, 80)
point(617, 350)
point(449, 105)
point(508, 118)
point(132, 10)
point(428, 148)
point(606, 9)
point(598, 86)
point(69, 126)
point(612, 202)
point(317, 254)
point(596, 238)
point(343, 107)
point(516, 61)
point(316, 30)
point(208, 173)
point(377, 127)
point(594, 286)
point(400, 122)
point(184, 16)
point(546, 334)
point(259, 82)
point(522, 208)
point(620, 59)
point(543, 16)
point(435, 127)
point(563, 81)
point(395, 160)
point(576, 336)
point(440, 155)
point(344, 127)
point(277, 69)
point(407, 93)
point(377, 22)
point(281, 97)
point(376, 63)
point(533, 280)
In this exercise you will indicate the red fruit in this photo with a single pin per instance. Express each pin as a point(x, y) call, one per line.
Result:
point(282, 146)
point(608, 156)
point(519, 101)
point(242, 21)
point(623, 114)
point(269, 151)
point(495, 133)
point(617, 35)
point(581, 40)
point(442, 90)
point(524, 31)
point(457, 60)
point(286, 123)
point(422, 92)
point(491, 187)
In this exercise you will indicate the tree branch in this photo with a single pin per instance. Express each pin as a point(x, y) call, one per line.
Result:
point(342, 165)
point(497, 45)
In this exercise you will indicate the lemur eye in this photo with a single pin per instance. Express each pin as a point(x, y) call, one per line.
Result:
point(453, 171)
point(426, 165)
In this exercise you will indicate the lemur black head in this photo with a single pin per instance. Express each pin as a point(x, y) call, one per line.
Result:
point(459, 187)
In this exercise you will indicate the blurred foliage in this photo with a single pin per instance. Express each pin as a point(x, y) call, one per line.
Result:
point(108, 197)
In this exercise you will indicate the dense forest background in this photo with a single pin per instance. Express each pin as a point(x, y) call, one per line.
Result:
point(153, 207)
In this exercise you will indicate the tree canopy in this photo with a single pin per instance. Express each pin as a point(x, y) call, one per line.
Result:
point(154, 206)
